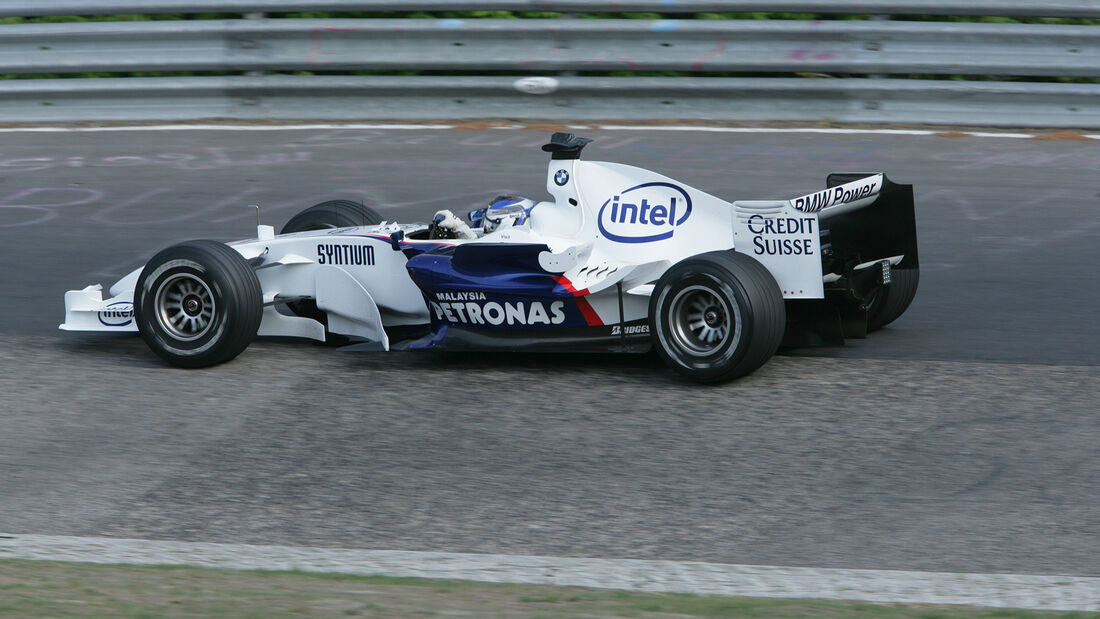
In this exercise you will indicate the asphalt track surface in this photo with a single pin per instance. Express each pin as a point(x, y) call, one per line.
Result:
point(962, 438)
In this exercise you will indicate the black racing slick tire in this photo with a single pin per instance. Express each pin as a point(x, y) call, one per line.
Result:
point(332, 214)
point(198, 304)
point(717, 316)
point(893, 299)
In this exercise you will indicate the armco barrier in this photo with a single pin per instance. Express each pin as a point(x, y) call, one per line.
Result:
point(848, 67)
point(1010, 8)
point(579, 98)
point(478, 45)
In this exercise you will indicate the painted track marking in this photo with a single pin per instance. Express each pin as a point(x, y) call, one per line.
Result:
point(906, 587)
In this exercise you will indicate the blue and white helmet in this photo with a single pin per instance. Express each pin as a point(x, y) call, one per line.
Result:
point(506, 211)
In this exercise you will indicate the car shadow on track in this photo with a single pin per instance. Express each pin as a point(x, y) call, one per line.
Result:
point(648, 365)
point(110, 348)
point(122, 352)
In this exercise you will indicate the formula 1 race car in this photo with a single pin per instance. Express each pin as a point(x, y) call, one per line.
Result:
point(620, 260)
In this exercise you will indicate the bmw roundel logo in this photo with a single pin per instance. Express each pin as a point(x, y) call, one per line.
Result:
point(561, 178)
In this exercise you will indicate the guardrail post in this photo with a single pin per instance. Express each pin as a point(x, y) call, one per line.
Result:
point(565, 102)
point(257, 16)
point(875, 46)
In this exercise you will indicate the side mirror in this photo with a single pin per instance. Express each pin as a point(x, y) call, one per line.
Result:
point(396, 238)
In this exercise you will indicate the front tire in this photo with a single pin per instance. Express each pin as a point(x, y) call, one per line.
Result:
point(325, 216)
point(198, 304)
point(332, 214)
point(717, 316)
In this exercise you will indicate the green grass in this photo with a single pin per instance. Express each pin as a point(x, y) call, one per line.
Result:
point(56, 589)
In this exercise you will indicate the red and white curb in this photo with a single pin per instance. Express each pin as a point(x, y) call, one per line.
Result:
point(905, 587)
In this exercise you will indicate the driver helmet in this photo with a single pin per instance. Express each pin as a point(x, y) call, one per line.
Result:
point(506, 211)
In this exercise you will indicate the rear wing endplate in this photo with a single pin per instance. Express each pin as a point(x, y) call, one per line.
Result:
point(874, 227)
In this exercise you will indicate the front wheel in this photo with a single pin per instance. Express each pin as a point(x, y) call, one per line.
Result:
point(198, 304)
point(717, 316)
point(326, 216)
point(332, 214)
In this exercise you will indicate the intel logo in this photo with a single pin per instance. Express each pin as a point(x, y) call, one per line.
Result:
point(117, 314)
point(644, 213)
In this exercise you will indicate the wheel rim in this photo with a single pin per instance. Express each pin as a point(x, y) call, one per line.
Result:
point(702, 321)
point(185, 306)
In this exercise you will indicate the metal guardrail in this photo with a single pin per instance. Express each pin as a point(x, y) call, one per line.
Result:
point(478, 45)
point(1011, 8)
point(573, 98)
point(553, 52)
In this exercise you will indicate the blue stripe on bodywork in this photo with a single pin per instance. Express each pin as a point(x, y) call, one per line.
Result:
point(493, 286)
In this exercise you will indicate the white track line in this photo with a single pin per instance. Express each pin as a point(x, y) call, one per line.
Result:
point(183, 127)
point(429, 127)
point(993, 590)
point(827, 130)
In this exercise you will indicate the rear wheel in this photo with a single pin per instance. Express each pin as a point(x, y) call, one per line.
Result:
point(893, 299)
point(327, 215)
point(198, 304)
point(717, 316)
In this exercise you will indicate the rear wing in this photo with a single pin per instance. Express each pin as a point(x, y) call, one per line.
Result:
point(841, 196)
point(867, 217)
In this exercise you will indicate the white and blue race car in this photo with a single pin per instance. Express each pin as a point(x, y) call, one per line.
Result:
point(620, 260)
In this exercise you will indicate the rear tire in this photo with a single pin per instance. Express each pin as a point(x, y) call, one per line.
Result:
point(893, 299)
point(717, 316)
point(332, 214)
point(198, 304)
